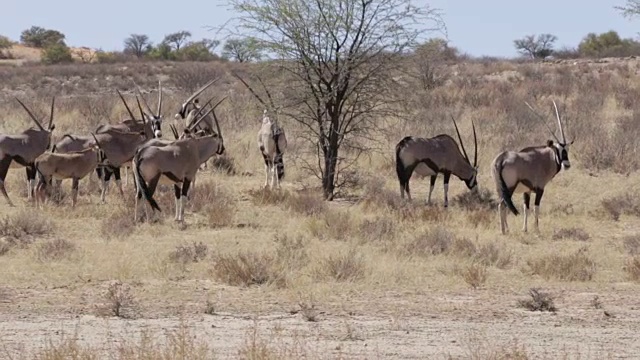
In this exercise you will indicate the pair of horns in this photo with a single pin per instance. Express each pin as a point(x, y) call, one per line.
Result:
point(129, 110)
point(53, 101)
point(475, 143)
point(564, 138)
point(210, 111)
point(146, 105)
point(199, 91)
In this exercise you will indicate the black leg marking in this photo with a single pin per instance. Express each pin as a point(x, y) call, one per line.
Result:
point(116, 173)
point(185, 187)
point(432, 182)
point(176, 191)
point(539, 193)
point(527, 200)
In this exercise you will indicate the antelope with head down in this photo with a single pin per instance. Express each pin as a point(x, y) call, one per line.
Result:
point(529, 170)
point(432, 156)
point(71, 165)
point(22, 149)
point(175, 163)
point(272, 143)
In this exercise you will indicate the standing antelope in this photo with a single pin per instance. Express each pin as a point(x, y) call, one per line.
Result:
point(432, 156)
point(72, 165)
point(529, 170)
point(152, 129)
point(23, 149)
point(192, 104)
point(177, 162)
point(272, 142)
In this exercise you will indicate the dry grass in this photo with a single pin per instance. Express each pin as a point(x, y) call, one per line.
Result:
point(369, 257)
point(577, 266)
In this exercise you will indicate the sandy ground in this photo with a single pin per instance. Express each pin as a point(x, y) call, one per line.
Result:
point(412, 325)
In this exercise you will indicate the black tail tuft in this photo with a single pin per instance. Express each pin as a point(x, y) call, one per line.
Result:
point(278, 160)
point(400, 169)
point(505, 194)
point(142, 185)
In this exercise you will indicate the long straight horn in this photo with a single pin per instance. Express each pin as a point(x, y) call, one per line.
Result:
point(141, 111)
point(31, 114)
point(564, 139)
point(174, 131)
point(460, 138)
point(144, 101)
point(200, 119)
point(213, 110)
point(543, 121)
point(159, 98)
point(126, 105)
point(199, 91)
point(196, 119)
point(475, 145)
point(53, 102)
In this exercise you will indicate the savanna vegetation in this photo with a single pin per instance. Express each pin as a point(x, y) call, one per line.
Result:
point(262, 274)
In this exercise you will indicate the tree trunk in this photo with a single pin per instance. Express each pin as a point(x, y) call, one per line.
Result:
point(330, 152)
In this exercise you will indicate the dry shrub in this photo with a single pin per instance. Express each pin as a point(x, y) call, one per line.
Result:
point(267, 196)
point(376, 196)
point(216, 202)
point(118, 225)
point(632, 268)
point(492, 254)
point(344, 266)
point(626, 204)
point(475, 274)
point(246, 268)
point(379, 229)
point(305, 203)
point(479, 199)
point(54, 250)
point(224, 164)
point(435, 241)
point(631, 244)
point(25, 226)
point(574, 233)
point(192, 253)
point(334, 224)
point(482, 217)
point(538, 301)
point(120, 299)
point(573, 267)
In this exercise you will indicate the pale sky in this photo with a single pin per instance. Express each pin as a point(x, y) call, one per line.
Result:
point(476, 27)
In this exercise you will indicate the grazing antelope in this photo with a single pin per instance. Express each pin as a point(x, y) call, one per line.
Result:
point(72, 165)
point(23, 149)
point(272, 143)
point(432, 156)
point(177, 162)
point(529, 170)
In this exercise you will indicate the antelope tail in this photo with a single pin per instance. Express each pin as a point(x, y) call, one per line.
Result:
point(279, 161)
point(142, 185)
point(400, 170)
point(504, 193)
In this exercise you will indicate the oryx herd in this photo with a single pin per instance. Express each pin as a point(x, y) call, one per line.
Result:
point(137, 143)
point(525, 171)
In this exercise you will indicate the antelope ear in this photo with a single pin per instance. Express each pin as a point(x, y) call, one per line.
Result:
point(196, 101)
point(549, 143)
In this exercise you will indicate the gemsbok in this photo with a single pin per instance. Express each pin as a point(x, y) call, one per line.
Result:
point(272, 143)
point(177, 162)
point(436, 155)
point(22, 149)
point(529, 170)
point(72, 165)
